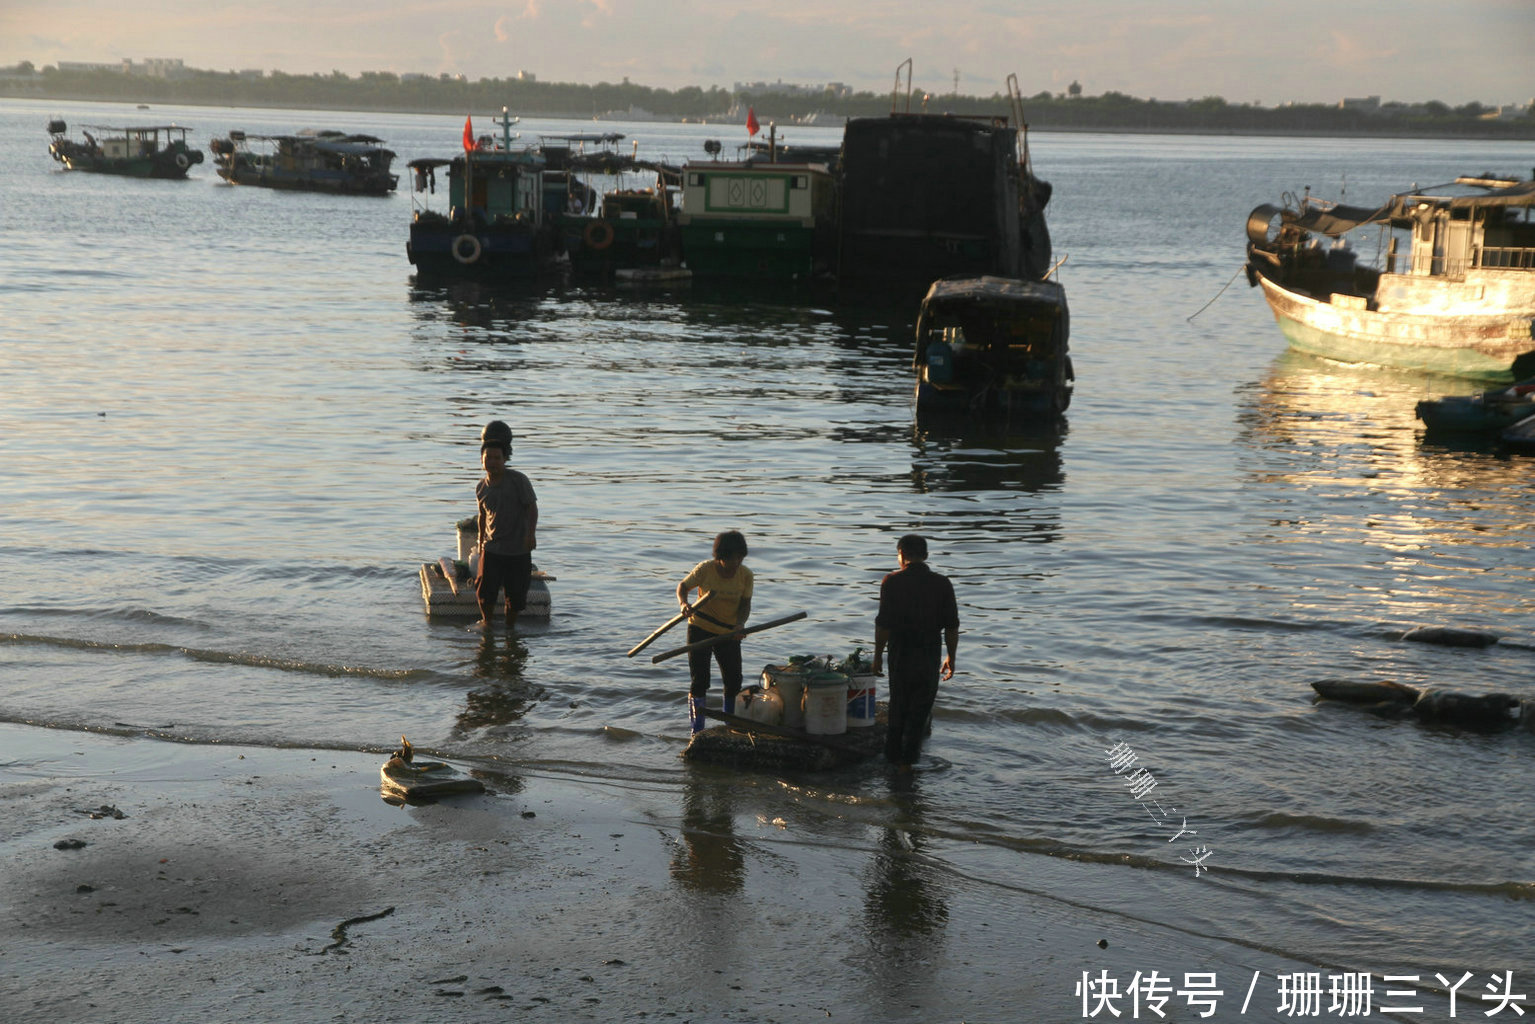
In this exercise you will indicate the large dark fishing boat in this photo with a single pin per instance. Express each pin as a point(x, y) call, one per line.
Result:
point(1460, 300)
point(326, 161)
point(926, 196)
point(146, 151)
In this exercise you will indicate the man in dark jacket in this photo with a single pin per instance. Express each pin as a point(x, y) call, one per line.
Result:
point(916, 611)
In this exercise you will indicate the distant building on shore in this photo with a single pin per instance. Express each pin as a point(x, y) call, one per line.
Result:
point(150, 67)
point(836, 90)
point(1362, 105)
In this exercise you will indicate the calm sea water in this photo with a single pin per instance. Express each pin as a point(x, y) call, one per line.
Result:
point(232, 427)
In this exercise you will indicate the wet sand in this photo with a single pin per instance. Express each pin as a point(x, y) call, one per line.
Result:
point(270, 885)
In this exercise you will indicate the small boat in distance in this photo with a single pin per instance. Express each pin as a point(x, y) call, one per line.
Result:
point(325, 161)
point(1459, 301)
point(994, 344)
point(147, 151)
point(1488, 412)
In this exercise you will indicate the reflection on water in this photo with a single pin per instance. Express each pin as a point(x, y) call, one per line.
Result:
point(1335, 456)
point(709, 857)
point(984, 455)
point(904, 901)
point(1315, 422)
point(905, 910)
point(507, 697)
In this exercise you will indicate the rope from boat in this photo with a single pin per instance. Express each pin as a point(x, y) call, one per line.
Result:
point(1207, 305)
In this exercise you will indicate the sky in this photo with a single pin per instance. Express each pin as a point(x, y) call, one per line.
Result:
point(1307, 51)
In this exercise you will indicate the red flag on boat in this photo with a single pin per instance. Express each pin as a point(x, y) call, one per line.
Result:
point(468, 133)
point(751, 122)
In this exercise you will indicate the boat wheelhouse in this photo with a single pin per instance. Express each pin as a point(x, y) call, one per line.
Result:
point(759, 219)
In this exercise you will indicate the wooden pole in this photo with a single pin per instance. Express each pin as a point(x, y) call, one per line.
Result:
point(637, 648)
point(700, 645)
point(747, 725)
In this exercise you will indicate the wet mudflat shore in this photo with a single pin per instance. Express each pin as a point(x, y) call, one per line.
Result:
point(150, 881)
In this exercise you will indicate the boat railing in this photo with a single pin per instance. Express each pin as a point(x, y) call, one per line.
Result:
point(1506, 257)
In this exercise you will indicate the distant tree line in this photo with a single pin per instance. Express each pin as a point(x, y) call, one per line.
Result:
point(385, 91)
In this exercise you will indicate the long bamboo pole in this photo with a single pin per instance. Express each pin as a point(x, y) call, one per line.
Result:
point(637, 648)
point(701, 644)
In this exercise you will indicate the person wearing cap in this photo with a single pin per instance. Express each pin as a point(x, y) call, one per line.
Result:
point(727, 584)
point(916, 610)
point(508, 524)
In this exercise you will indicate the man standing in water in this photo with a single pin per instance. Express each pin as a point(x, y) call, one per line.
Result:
point(916, 610)
point(508, 522)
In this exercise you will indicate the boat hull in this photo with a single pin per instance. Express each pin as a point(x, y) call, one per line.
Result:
point(448, 249)
point(750, 250)
point(1495, 346)
point(334, 184)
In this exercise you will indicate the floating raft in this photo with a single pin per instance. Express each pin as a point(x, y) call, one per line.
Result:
point(448, 596)
point(744, 743)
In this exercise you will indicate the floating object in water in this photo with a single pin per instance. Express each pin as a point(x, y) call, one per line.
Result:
point(743, 743)
point(1490, 712)
point(1450, 636)
point(407, 780)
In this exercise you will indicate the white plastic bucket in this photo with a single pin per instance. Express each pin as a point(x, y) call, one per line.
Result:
point(826, 704)
point(761, 705)
point(467, 538)
point(790, 685)
point(860, 701)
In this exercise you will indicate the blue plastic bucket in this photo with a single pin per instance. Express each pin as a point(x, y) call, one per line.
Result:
point(860, 702)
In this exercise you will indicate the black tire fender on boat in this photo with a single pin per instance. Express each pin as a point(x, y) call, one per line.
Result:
point(598, 235)
point(182, 161)
point(466, 249)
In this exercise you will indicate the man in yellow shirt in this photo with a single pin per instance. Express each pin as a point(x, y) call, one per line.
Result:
point(725, 601)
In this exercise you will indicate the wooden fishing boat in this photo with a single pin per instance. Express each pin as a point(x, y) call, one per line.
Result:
point(494, 224)
point(145, 151)
point(611, 210)
point(1459, 301)
point(987, 344)
point(325, 161)
point(1521, 436)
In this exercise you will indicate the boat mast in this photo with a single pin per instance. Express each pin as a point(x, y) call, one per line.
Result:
point(506, 120)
